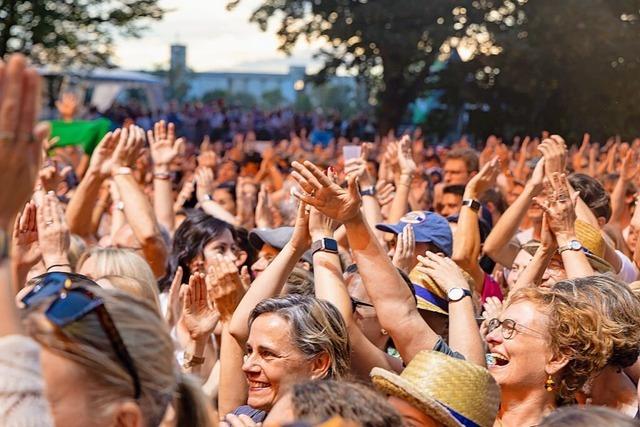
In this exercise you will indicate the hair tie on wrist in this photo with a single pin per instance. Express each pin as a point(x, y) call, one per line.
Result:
point(58, 265)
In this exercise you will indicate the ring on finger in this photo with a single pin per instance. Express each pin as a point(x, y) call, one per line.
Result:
point(48, 222)
point(7, 136)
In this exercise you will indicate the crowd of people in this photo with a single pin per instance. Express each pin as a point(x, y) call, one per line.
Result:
point(389, 282)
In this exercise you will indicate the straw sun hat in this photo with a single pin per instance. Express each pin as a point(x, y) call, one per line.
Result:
point(590, 238)
point(452, 391)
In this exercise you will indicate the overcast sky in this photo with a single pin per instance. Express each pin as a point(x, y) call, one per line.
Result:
point(216, 39)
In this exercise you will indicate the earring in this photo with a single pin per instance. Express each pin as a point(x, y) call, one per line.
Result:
point(549, 384)
point(384, 332)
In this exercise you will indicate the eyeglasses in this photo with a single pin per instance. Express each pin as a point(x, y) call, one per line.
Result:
point(509, 328)
point(357, 303)
point(72, 302)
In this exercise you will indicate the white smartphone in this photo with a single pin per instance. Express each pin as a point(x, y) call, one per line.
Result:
point(351, 152)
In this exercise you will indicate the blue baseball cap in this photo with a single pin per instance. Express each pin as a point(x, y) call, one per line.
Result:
point(428, 227)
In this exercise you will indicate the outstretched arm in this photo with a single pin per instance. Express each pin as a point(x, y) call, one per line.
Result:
point(497, 243)
point(389, 294)
point(137, 208)
point(466, 242)
point(270, 282)
point(164, 149)
point(464, 334)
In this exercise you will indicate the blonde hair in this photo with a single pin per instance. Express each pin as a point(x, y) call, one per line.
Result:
point(149, 344)
point(125, 263)
point(132, 287)
point(77, 247)
point(589, 323)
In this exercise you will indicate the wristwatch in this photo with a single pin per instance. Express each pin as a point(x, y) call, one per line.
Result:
point(326, 245)
point(191, 360)
point(368, 191)
point(456, 294)
point(472, 203)
point(573, 245)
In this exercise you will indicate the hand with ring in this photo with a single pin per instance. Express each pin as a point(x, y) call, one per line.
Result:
point(53, 233)
point(20, 140)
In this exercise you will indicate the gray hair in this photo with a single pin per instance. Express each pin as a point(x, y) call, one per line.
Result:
point(317, 327)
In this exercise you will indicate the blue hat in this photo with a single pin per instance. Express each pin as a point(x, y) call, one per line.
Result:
point(428, 227)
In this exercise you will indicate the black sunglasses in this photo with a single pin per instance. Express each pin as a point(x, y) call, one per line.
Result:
point(72, 302)
point(357, 303)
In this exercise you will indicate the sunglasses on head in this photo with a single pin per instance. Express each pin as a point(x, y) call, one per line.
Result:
point(72, 300)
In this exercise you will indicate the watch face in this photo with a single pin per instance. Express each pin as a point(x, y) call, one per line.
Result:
point(331, 245)
point(456, 294)
point(575, 245)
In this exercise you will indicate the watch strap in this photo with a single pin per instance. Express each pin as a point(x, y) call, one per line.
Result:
point(320, 245)
point(573, 245)
point(191, 360)
point(472, 203)
point(465, 293)
point(368, 191)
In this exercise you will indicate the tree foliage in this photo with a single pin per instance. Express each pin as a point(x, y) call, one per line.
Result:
point(567, 67)
point(78, 32)
point(391, 45)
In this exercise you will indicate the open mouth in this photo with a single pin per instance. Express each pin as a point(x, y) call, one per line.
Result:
point(258, 385)
point(495, 359)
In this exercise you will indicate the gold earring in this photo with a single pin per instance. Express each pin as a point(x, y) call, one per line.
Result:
point(549, 385)
point(384, 332)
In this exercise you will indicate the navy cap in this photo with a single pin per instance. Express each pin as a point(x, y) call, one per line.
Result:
point(428, 227)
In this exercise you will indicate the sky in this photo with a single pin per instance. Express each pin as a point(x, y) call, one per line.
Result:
point(216, 40)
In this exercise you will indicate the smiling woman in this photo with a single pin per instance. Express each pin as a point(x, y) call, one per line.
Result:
point(546, 344)
point(292, 339)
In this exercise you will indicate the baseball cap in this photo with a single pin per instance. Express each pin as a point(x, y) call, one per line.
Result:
point(275, 237)
point(428, 227)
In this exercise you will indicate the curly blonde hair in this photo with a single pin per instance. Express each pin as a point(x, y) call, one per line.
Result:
point(593, 321)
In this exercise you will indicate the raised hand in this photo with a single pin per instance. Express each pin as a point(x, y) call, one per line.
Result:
point(325, 195)
point(164, 145)
point(263, 212)
point(172, 313)
point(53, 233)
point(559, 206)
point(358, 167)
point(185, 193)
point(102, 158)
point(128, 149)
point(405, 247)
point(547, 239)
point(554, 151)
point(442, 270)
point(385, 192)
point(483, 180)
point(50, 177)
point(405, 157)
point(301, 239)
point(199, 317)
point(224, 286)
point(537, 178)
point(630, 166)
point(25, 251)
point(204, 184)
point(20, 140)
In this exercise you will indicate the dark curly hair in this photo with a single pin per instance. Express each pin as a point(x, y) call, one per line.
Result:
point(189, 240)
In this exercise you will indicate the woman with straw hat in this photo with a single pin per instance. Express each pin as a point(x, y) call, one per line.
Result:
point(439, 390)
